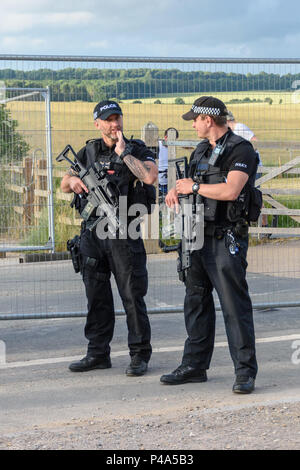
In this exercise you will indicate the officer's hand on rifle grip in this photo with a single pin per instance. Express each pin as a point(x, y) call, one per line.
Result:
point(184, 186)
point(172, 200)
point(77, 186)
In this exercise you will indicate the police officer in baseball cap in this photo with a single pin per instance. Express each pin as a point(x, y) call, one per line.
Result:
point(133, 171)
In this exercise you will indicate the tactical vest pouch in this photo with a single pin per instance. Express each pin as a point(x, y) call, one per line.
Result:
point(81, 204)
point(255, 204)
point(143, 194)
point(236, 210)
point(213, 176)
point(248, 206)
point(210, 209)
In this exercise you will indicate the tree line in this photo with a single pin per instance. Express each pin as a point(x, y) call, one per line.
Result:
point(71, 84)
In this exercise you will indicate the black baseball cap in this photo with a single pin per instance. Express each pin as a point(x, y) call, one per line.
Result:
point(206, 105)
point(105, 108)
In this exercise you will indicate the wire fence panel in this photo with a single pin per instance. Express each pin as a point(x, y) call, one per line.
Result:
point(24, 170)
point(38, 280)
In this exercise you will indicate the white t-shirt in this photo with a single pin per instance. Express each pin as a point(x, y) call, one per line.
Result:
point(243, 131)
point(162, 163)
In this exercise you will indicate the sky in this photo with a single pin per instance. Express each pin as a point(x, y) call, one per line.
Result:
point(157, 28)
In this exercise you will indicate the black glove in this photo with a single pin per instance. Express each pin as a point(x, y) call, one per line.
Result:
point(127, 151)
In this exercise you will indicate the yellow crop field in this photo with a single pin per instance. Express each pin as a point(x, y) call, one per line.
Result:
point(72, 122)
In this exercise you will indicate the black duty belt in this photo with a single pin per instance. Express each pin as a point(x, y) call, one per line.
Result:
point(216, 231)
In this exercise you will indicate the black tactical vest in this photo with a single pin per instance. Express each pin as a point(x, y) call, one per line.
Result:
point(212, 169)
point(118, 173)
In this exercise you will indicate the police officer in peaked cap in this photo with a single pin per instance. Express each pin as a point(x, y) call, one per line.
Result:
point(133, 171)
point(222, 171)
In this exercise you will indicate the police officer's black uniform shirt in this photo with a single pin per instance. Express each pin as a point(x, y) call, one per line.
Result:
point(241, 157)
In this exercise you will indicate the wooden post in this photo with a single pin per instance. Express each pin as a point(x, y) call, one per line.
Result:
point(149, 134)
point(28, 198)
point(171, 156)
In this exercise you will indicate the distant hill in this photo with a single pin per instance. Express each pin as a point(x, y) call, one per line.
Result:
point(71, 84)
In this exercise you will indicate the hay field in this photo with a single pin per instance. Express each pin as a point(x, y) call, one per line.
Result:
point(72, 122)
point(285, 97)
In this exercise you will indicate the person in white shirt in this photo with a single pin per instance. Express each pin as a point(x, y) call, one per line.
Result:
point(242, 130)
point(163, 162)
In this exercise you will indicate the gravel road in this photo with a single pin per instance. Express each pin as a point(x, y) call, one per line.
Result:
point(274, 427)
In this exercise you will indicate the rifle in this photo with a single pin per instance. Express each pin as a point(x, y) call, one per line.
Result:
point(102, 192)
point(188, 207)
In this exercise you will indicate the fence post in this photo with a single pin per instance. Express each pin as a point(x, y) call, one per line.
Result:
point(40, 184)
point(149, 134)
point(28, 198)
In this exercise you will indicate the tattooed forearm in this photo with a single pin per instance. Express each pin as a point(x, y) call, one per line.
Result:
point(140, 169)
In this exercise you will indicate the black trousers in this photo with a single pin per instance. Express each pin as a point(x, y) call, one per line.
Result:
point(126, 259)
point(214, 267)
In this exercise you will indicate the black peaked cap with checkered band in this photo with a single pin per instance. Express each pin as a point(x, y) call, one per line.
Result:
point(206, 105)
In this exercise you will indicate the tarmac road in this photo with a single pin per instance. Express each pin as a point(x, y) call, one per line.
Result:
point(45, 406)
point(48, 288)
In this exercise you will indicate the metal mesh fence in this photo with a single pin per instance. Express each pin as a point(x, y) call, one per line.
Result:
point(24, 169)
point(153, 93)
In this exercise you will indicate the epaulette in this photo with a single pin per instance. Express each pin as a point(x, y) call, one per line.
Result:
point(138, 142)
